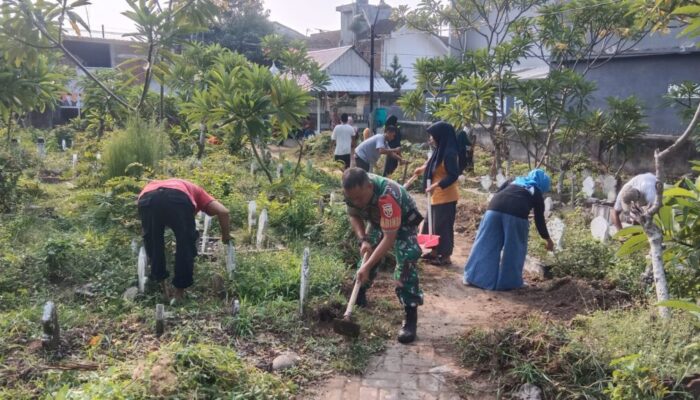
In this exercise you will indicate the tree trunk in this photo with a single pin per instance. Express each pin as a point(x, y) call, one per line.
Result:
point(260, 161)
point(201, 141)
point(297, 169)
point(655, 237)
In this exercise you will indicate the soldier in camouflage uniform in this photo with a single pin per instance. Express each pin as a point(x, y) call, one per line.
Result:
point(394, 219)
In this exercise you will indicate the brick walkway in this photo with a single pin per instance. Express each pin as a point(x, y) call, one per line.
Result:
point(402, 372)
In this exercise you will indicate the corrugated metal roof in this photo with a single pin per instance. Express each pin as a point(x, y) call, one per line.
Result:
point(357, 84)
point(326, 57)
point(352, 84)
point(532, 73)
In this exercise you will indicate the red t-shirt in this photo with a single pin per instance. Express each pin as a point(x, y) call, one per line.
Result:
point(199, 197)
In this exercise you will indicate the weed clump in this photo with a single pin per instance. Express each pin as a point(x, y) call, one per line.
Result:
point(597, 355)
point(140, 143)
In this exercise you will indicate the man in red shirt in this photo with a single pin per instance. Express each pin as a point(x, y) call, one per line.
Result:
point(174, 203)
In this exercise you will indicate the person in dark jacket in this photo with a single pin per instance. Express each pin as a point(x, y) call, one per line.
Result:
point(498, 256)
point(392, 163)
point(442, 170)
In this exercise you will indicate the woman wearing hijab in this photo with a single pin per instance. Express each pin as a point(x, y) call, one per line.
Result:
point(442, 169)
point(392, 163)
point(498, 255)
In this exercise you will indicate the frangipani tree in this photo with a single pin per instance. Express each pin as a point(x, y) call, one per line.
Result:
point(249, 101)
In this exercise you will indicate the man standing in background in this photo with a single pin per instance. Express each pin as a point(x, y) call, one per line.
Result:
point(343, 136)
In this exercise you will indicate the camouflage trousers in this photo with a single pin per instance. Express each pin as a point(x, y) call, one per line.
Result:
point(407, 252)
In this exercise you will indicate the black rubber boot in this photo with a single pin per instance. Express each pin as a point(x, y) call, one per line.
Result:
point(407, 334)
point(361, 300)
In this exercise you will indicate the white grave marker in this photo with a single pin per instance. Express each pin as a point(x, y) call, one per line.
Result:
point(332, 200)
point(486, 182)
point(252, 167)
point(134, 247)
point(63, 145)
point(304, 280)
point(252, 214)
point(205, 233)
point(279, 171)
point(141, 269)
point(74, 162)
point(609, 185)
point(98, 156)
point(556, 229)
point(588, 186)
point(230, 259)
point(600, 229)
point(548, 204)
point(500, 179)
point(262, 230)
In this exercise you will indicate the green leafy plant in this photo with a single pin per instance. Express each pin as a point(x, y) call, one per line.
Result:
point(141, 142)
point(633, 382)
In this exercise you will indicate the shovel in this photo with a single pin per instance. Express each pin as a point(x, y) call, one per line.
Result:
point(429, 241)
point(344, 326)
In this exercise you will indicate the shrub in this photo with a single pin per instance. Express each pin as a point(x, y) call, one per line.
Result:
point(141, 142)
point(292, 206)
point(577, 360)
point(9, 176)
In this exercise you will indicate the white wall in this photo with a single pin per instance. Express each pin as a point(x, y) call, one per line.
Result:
point(410, 45)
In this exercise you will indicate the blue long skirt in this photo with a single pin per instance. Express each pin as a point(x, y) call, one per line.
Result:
point(497, 258)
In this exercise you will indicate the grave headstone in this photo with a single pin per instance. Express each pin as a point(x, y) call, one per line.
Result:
point(252, 210)
point(230, 259)
point(41, 147)
point(130, 293)
point(141, 269)
point(588, 186)
point(235, 307)
point(609, 184)
point(600, 229)
point(63, 145)
point(98, 156)
point(486, 182)
point(160, 319)
point(205, 234)
point(279, 171)
point(332, 199)
point(74, 161)
point(500, 179)
point(304, 280)
point(262, 230)
point(134, 247)
point(252, 167)
point(556, 229)
point(51, 336)
point(548, 204)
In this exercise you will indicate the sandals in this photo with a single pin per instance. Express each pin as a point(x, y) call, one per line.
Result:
point(440, 261)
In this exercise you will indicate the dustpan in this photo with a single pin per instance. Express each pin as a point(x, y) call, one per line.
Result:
point(429, 241)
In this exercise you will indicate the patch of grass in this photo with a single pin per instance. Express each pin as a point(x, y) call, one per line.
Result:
point(141, 142)
point(578, 361)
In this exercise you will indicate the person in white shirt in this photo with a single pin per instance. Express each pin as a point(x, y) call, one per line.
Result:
point(640, 190)
point(343, 136)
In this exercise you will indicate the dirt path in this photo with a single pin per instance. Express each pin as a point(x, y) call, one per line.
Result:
point(425, 368)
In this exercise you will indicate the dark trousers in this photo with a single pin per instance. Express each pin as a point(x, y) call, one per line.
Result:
point(360, 163)
point(390, 166)
point(345, 158)
point(444, 223)
point(169, 208)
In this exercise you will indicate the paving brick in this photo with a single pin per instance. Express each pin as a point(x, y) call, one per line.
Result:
point(336, 383)
point(392, 364)
point(385, 375)
point(333, 394)
point(428, 383)
point(381, 383)
point(351, 391)
point(390, 394)
point(416, 360)
point(368, 393)
point(409, 381)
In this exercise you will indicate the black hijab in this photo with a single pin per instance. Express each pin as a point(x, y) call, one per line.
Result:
point(446, 140)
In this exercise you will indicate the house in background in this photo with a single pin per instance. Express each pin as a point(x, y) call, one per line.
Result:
point(348, 89)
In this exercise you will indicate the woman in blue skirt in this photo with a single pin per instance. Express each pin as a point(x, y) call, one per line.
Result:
point(498, 255)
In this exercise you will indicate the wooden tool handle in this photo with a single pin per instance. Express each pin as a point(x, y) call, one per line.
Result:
point(430, 211)
point(355, 291)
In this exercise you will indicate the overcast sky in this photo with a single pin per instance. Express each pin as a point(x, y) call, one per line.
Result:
point(305, 16)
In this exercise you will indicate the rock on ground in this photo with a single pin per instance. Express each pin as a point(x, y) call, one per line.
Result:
point(285, 360)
